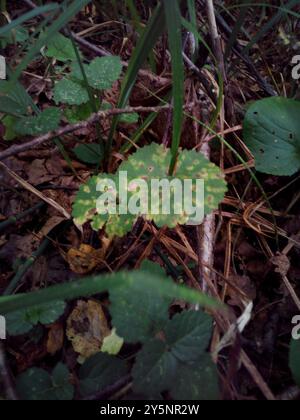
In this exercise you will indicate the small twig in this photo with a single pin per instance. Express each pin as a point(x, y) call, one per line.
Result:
point(14, 150)
point(36, 192)
point(6, 376)
point(206, 232)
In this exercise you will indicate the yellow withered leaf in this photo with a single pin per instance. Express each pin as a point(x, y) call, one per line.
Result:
point(86, 258)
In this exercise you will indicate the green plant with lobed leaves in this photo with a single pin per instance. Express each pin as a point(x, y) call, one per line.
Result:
point(150, 162)
point(173, 356)
point(79, 96)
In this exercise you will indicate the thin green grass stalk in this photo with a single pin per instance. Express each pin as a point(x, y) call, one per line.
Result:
point(270, 24)
point(14, 219)
point(95, 285)
point(25, 267)
point(134, 16)
point(145, 44)
point(193, 19)
point(251, 172)
point(27, 16)
point(173, 20)
point(59, 23)
point(140, 131)
point(137, 23)
point(193, 29)
point(270, 6)
point(236, 29)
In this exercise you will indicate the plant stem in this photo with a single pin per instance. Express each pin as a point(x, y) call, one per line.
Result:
point(25, 267)
point(14, 219)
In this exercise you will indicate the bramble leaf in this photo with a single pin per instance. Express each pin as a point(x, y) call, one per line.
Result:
point(188, 334)
point(22, 321)
point(100, 371)
point(161, 364)
point(138, 313)
point(154, 370)
point(196, 381)
point(38, 384)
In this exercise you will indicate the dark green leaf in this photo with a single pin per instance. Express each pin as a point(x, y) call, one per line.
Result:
point(272, 133)
point(37, 384)
point(138, 313)
point(22, 321)
point(154, 370)
point(197, 381)
point(61, 48)
point(89, 153)
point(68, 92)
point(46, 121)
point(188, 335)
point(100, 371)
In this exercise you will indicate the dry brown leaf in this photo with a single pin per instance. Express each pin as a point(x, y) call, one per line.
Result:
point(86, 328)
point(55, 338)
point(86, 258)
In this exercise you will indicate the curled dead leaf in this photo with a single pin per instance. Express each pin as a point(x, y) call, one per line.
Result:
point(86, 328)
point(86, 258)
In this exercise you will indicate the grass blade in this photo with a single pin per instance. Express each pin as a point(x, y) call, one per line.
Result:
point(271, 23)
point(237, 27)
point(56, 26)
point(99, 284)
point(27, 16)
point(193, 19)
point(144, 46)
point(173, 20)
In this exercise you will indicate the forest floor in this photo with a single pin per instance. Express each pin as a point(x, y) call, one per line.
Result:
point(249, 265)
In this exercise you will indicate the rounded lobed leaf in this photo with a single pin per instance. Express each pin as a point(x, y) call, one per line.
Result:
point(60, 48)
point(69, 92)
point(149, 165)
point(46, 121)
